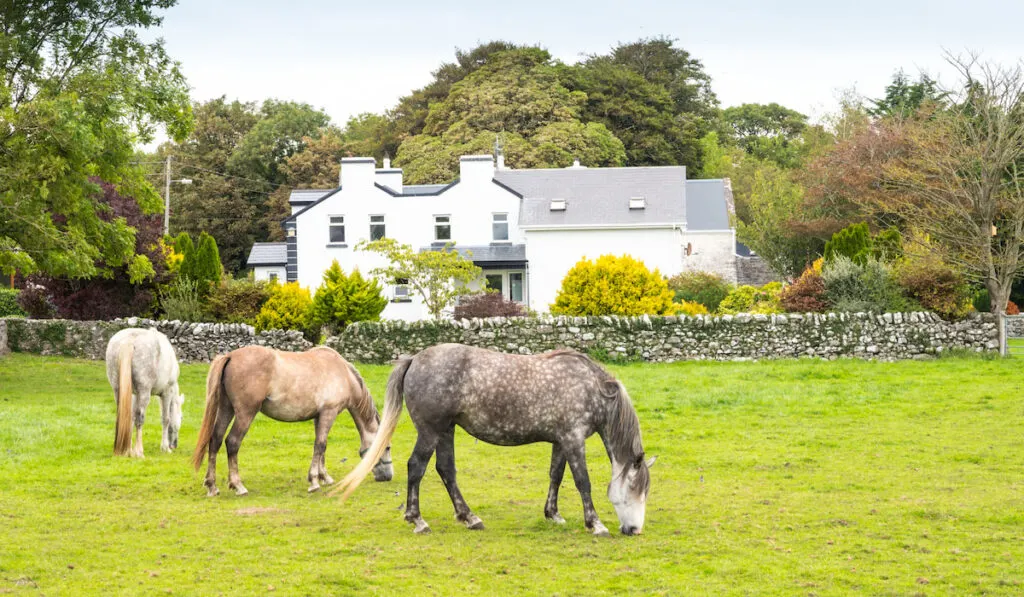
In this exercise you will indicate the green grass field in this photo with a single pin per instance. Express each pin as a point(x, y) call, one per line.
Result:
point(780, 478)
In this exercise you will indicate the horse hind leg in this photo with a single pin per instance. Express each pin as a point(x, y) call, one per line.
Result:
point(421, 453)
point(557, 473)
point(232, 444)
point(140, 401)
point(446, 469)
point(224, 416)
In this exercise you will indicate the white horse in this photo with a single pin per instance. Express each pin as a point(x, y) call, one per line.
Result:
point(141, 363)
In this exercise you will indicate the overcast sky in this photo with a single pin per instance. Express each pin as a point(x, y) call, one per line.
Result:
point(348, 58)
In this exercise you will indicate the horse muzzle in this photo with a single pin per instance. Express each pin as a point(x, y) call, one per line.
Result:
point(629, 531)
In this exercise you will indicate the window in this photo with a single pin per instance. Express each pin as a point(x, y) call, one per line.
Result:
point(273, 276)
point(637, 203)
point(337, 229)
point(376, 227)
point(558, 205)
point(442, 228)
point(402, 291)
point(494, 283)
point(515, 286)
point(499, 226)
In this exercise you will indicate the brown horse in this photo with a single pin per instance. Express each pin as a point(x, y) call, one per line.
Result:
point(286, 386)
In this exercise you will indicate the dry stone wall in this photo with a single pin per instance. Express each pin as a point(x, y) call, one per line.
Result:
point(193, 342)
point(890, 336)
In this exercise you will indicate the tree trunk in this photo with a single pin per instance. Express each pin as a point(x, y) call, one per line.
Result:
point(999, 296)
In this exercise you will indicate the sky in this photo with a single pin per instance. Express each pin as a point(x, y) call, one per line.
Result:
point(347, 58)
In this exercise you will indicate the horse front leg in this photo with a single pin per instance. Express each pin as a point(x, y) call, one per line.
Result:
point(318, 467)
point(557, 472)
point(165, 422)
point(576, 455)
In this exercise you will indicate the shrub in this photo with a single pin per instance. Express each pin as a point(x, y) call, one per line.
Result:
point(36, 301)
point(1012, 308)
point(181, 301)
point(288, 308)
point(887, 245)
point(705, 288)
point(750, 299)
point(9, 303)
point(806, 294)
point(488, 304)
point(852, 287)
point(343, 299)
point(238, 301)
point(936, 286)
point(853, 242)
point(982, 301)
point(613, 286)
point(691, 308)
point(200, 264)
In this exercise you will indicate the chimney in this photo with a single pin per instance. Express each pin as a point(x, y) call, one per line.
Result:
point(576, 163)
point(357, 172)
point(476, 168)
point(388, 176)
point(499, 153)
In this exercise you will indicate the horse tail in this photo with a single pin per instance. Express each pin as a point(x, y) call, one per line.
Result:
point(214, 395)
point(123, 426)
point(389, 421)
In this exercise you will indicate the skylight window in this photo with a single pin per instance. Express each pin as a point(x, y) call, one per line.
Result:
point(558, 205)
point(637, 203)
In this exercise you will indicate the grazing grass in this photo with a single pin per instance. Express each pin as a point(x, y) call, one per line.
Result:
point(775, 478)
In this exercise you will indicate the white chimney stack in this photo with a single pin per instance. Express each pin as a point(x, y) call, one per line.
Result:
point(357, 172)
point(476, 168)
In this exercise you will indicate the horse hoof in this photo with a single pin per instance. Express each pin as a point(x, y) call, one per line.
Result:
point(601, 531)
point(421, 527)
point(474, 523)
point(557, 519)
point(313, 489)
point(327, 480)
point(240, 490)
point(212, 492)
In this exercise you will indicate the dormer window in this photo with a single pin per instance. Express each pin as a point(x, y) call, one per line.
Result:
point(637, 203)
point(558, 205)
point(442, 228)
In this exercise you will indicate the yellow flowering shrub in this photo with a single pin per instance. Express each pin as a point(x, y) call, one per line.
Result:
point(613, 286)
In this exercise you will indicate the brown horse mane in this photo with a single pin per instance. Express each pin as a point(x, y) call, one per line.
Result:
point(623, 426)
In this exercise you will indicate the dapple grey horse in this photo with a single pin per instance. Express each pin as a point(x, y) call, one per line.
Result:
point(561, 397)
point(141, 362)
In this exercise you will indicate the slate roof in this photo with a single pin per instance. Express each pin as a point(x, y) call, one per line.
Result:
point(501, 253)
point(708, 203)
point(268, 254)
point(307, 195)
point(422, 189)
point(599, 196)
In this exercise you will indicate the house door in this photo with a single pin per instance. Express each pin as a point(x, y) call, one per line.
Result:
point(509, 284)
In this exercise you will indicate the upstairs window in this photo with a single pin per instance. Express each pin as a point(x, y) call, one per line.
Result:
point(442, 228)
point(376, 227)
point(558, 205)
point(337, 232)
point(499, 227)
point(637, 203)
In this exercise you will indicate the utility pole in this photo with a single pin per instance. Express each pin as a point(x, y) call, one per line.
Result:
point(167, 195)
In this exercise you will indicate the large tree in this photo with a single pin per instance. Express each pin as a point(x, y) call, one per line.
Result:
point(962, 180)
point(78, 89)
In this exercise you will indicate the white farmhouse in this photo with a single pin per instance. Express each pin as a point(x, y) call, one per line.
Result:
point(524, 228)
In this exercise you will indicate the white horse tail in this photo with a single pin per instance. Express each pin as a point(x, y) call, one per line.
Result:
point(214, 395)
point(123, 427)
point(389, 421)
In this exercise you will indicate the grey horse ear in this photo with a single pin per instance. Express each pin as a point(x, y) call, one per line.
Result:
point(650, 461)
point(611, 388)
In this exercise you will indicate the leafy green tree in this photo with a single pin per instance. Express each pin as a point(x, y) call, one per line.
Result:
point(852, 242)
point(279, 133)
point(438, 277)
point(78, 89)
point(613, 285)
point(904, 98)
point(202, 264)
point(316, 166)
point(183, 244)
point(343, 299)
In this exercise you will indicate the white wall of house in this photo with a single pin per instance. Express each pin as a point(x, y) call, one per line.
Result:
point(267, 272)
point(711, 251)
point(552, 253)
point(470, 205)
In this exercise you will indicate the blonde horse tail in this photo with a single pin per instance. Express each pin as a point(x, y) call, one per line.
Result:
point(123, 426)
point(214, 395)
point(389, 421)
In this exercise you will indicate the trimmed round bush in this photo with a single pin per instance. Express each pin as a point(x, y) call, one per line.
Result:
point(692, 308)
point(343, 299)
point(750, 299)
point(288, 308)
point(9, 306)
point(613, 286)
point(806, 294)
